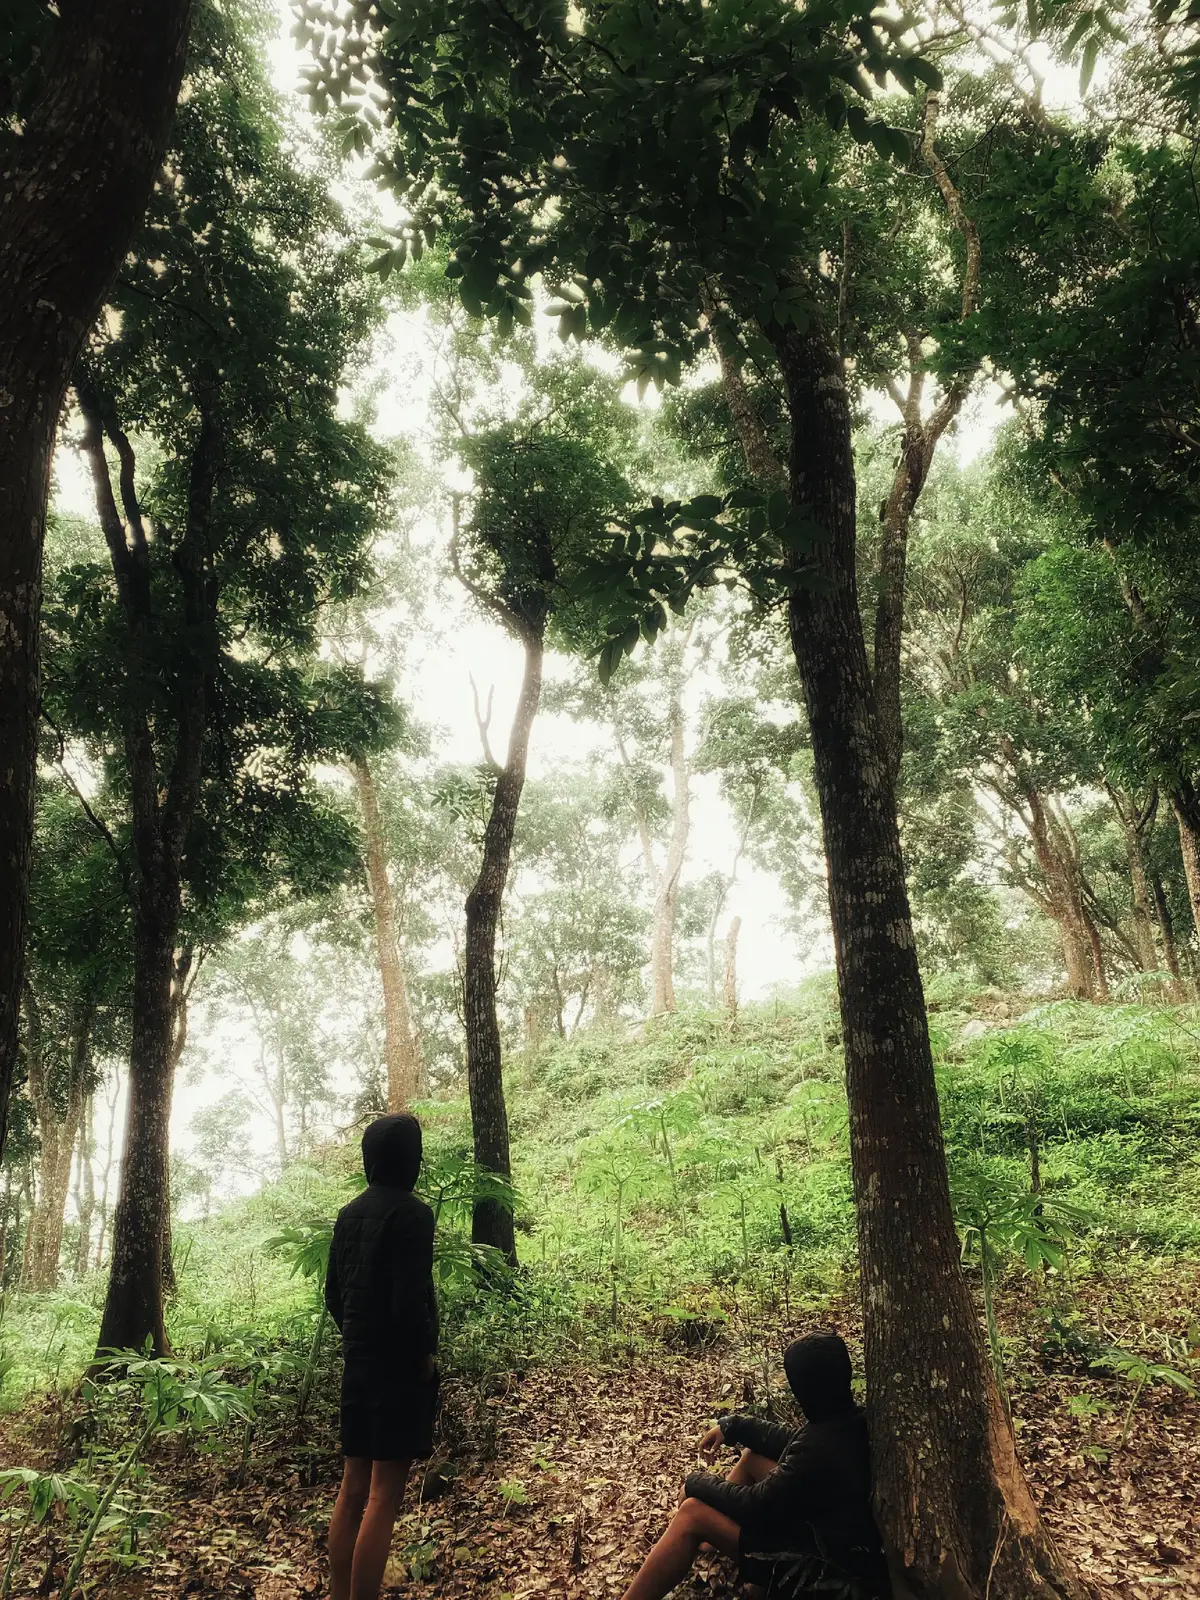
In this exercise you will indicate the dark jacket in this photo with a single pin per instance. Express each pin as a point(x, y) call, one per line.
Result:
point(819, 1496)
point(379, 1289)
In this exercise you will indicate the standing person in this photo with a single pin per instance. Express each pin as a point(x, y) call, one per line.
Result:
point(795, 1512)
point(379, 1291)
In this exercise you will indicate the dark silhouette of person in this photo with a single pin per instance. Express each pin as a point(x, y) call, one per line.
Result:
point(379, 1291)
point(795, 1512)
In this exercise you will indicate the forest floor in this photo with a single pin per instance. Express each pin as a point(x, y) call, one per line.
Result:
point(557, 1482)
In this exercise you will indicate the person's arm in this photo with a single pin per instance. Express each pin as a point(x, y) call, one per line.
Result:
point(333, 1287)
point(787, 1490)
point(412, 1277)
point(768, 1439)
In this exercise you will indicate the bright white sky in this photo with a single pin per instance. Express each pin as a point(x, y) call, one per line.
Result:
point(438, 681)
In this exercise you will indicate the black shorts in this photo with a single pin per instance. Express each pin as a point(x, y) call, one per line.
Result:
point(388, 1422)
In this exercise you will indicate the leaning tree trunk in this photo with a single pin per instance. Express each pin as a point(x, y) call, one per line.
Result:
point(492, 1223)
point(402, 1046)
point(75, 185)
point(666, 898)
point(953, 1503)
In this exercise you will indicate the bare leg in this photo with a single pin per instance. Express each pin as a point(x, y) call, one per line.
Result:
point(343, 1525)
point(671, 1559)
point(750, 1468)
point(375, 1531)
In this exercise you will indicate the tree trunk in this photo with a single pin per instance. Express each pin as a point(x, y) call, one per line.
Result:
point(1189, 845)
point(402, 1046)
point(86, 1201)
point(43, 1238)
point(953, 1503)
point(666, 899)
point(730, 990)
point(75, 185)
point(162, 807)
point(133, 1307)
point(492, 1224)
point(1100, 992)
point(1143, 926)
point(1166, 927)
point(106, 1174)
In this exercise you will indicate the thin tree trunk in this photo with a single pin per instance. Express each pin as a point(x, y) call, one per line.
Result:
point(43, 1239)
point(1143, 925)
point(953, 1503)
point(666, 899)
point(1189, 845)
point(75, 185)
point(87, 1186)
point(492, 1224)
point(1166, 928)
point(402, 1046)
point(730, 990)
point(1100, 992)
point(106, 1173)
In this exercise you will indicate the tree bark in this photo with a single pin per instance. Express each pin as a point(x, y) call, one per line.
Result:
point(1166, 927)
point(43, 1237)
point(1189, 846)
point(730, 989)
point(666, 897)
point(86, 1203)
point(402, 1045)
point(492, 1224)
point(1132, 822)
point(162, 813)
point(76, 180)
point(953, 1503)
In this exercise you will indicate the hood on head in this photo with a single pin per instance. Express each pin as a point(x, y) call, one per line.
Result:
point(391, 1150)
point(818, 1369)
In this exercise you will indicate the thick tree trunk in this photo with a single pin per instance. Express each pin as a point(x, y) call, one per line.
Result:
point(666, 898)
point(133, 1307)
point(729, 993)
point(492, 1224)
point(952, 1500)
point(402, 1046)
point(75, 184)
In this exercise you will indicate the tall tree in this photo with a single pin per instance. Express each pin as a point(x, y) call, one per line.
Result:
point(86, 94)
point(546, 489)
point(643, 158)
point(245, 503)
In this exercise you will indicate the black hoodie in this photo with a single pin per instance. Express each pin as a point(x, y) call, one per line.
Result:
point(379, 1289)
point(819, 1496)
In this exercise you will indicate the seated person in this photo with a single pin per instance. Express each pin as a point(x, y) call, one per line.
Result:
point(795, 1512)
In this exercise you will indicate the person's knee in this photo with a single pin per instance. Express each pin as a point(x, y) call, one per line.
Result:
point(690, 1514)
point(356, 1485)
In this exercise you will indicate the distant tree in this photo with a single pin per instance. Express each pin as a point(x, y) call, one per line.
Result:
point(547, 485)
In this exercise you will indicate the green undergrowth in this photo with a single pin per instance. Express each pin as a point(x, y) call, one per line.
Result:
point(693, 1172)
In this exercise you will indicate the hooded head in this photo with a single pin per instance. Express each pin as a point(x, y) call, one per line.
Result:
point(818, 1369)
point(391, 1149)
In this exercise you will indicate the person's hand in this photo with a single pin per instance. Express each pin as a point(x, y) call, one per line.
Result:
point(428, 1368)
point(711, 1442)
